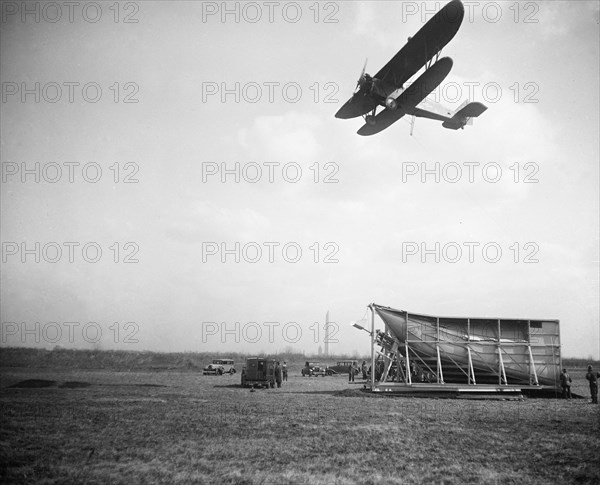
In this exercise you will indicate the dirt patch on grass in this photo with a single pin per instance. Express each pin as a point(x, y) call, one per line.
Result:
point(34, 384)
point(74, 385)
point(134, 385)
point(352, 393)
point(45, 383)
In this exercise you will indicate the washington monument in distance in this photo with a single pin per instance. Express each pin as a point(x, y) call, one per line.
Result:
point(326, 338)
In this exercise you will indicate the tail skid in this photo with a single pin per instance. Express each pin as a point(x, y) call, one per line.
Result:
point(464, 115)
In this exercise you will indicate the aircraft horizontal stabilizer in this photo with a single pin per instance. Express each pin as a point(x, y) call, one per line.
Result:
point(464, 115)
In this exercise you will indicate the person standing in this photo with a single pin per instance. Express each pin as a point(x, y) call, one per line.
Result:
point(565, 383)
point(278, 374)
point(364, 369)
point(413, 370)
point(592, 377)
point(351, 373)
point(379, 367)
point(284, 368)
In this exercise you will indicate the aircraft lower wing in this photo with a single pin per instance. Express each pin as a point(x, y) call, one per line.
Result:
point(410, 97)
point(383, 120)
point(356, 106)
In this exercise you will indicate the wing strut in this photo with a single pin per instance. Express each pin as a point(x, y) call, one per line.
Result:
point(430, 62)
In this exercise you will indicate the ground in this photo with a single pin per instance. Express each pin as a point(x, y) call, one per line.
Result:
point(98, 426)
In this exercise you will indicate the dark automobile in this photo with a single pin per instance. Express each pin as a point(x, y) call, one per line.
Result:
point(343, 367)
point(316, 369)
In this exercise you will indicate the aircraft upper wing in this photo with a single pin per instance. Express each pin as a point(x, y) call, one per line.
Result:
point(425, 44)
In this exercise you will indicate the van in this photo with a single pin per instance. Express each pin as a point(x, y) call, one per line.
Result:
point(258, 372)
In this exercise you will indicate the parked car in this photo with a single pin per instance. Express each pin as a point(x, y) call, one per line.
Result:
point(343, 367)
point(220, 367)
point(315, 369)
point(258, 371)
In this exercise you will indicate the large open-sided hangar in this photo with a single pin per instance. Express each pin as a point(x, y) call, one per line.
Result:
point(425, 353)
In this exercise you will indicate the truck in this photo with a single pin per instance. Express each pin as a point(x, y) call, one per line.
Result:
point(259, 372)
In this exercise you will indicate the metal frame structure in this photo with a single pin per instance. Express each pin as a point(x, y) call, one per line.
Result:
point(463, 353)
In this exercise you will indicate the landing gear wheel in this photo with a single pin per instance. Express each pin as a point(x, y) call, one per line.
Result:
point(370, 119)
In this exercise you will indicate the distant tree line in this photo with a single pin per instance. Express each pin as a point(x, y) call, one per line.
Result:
point(140, 360)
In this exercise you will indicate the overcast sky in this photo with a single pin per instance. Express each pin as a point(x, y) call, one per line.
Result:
point(139, 107)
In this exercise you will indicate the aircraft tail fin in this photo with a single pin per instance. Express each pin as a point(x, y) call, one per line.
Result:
point(464, 115)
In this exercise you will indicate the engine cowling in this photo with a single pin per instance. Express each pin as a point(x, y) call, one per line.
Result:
point(391, 103)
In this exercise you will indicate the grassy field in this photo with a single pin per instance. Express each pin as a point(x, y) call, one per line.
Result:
point(98, 426)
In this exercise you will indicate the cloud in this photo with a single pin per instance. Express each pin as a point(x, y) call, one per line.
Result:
point(560, 19)
point(202, 220)
point(274, 136)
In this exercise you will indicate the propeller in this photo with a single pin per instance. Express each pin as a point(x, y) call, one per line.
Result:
point(362, 79)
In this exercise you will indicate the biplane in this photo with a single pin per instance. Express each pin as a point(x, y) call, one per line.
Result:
point(390, 88)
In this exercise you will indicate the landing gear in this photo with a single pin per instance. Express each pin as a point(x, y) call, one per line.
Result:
point(370, 118)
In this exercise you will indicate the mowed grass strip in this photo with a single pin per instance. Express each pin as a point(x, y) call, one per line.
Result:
point(187, 428)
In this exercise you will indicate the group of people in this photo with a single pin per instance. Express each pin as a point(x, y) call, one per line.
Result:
point(353, 370)
point(418, 375)
point(592, 378)
point(379, 368)
point(281, 373)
